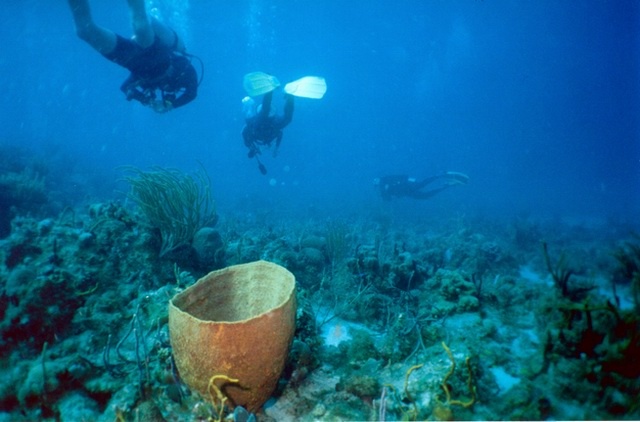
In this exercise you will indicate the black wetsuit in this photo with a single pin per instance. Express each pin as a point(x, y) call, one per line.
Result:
point(157, 69)
point(263, 129)
point(404, 186)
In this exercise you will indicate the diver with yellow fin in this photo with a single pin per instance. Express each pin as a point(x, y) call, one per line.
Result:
point(262, 125)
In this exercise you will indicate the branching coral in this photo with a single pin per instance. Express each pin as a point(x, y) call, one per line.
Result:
point(442, 410)
point(216, 394)
point(470, 386)
point(337, 242)
point(628, 258)
point(407, 415)
point(406, 388)
point(176, 203)
point(560, 272)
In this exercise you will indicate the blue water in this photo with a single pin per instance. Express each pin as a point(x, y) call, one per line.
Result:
point(537, 101)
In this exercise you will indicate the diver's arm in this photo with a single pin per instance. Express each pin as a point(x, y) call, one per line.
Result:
point(185, 97)
point(249, 141)
point(246, 137)
point(133, 91)
point(188, 80)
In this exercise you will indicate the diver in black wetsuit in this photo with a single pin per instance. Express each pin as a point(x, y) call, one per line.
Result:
point(162, 77)
point(262, 127)
point(402, 186)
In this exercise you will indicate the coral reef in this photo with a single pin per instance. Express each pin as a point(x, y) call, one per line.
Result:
point(20, 192)
point(83, 318)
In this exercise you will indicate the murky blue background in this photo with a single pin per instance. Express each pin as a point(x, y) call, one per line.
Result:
point(537, 101)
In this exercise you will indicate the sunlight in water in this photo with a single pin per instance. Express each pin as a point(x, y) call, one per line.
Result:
point(260, 32)
point(253, 24)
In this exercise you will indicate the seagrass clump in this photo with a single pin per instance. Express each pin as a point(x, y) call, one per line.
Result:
point(176, 203)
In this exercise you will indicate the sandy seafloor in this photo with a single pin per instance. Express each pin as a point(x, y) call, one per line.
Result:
point(84, 299)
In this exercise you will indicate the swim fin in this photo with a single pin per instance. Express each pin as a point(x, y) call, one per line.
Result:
point(457, 178)
point(259, 83)
point(307, 87)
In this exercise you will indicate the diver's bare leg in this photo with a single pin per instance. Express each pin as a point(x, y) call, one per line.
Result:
point(167, 35)
point(101, 39)
point(142, 30)
point(427, 181)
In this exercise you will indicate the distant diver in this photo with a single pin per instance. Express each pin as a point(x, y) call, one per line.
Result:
point(162, 76)
point(402, 186)
point(262, 125)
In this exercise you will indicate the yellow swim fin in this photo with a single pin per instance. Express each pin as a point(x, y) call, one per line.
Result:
point(259, 83)
point(307, 87)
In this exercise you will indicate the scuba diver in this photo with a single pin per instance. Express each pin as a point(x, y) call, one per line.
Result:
point(402, 186)
point(263, 126)
point(162, 76)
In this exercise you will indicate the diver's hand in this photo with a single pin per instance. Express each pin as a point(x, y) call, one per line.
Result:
point(253, 152)
point(160, 106)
